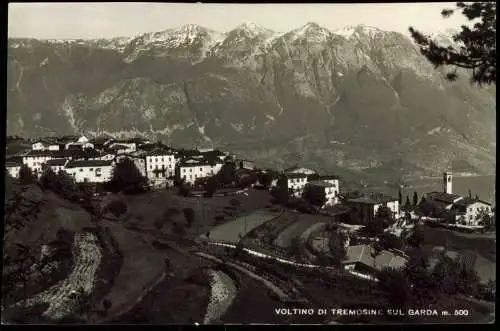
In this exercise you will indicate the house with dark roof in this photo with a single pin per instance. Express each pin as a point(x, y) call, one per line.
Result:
point(296, 182)
point(90, 171)
point(329, 189)
point(192, 169)
point(364, 261)
point(57, 164)
point(363, 209)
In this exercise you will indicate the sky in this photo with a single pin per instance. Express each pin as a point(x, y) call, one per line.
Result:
point(115, 19)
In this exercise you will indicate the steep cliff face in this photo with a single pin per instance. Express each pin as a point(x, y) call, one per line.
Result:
point(358, 97)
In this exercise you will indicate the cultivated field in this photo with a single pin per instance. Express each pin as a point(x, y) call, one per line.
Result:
point(234, 230)
point(142, 265)
point(144, 210)
point(304, 223)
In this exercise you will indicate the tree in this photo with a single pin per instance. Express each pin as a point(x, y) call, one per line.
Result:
point(400, 197)
point(106, 305)
point(477, 197)
point(117, 208)
point(415, 198)
point(295, 248)
point(26, 176)
point(168, 264)
point(247, 180)
point(178, 228)
point(314, 195)
point(265, 179)
point(476, 48)
point(390, 240)
point(281, 192)
point(189, 215)
point(416, 272)
point(227, 174)
point(210, 186)
point(127, 178)
point(338, 252)
point(470, 194)
point(395, 283)
point(48, 179)
point(417, 237)
point(184, 189)
point(67, 187)
point(169, 214)
point(408, 203)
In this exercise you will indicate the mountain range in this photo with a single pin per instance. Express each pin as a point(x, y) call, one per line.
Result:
point(356, 99)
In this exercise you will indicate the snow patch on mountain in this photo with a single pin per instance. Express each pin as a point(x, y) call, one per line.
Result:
point(312, 32)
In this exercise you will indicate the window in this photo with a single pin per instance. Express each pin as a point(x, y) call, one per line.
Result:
point(98, 174)
point(81, 170)
point(190, 170)
point(201, 169)
point(91, 169)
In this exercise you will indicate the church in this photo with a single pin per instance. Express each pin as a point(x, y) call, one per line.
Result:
point(465, 211)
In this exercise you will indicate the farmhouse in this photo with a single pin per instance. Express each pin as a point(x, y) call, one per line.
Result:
point(38, 146)
point(469, 211)
point(364, 208)
point(13, 166)
point(296, 183)
point(90, 171)
point(160, 163)
point(190, 170)
point(331, 190)
point(363, 260)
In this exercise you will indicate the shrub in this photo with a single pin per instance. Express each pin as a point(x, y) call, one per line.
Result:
point(117, 208)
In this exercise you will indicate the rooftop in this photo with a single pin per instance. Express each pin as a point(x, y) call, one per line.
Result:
point(373, 199)
point(444, 197)
point(295, 175)
point(328, 177)
point(56, 162)
point(320, 183)
point(88, 163)
point(466, 201)
point(364, 254)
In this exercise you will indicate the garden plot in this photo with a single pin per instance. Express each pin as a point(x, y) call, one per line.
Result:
point(63, 297)
point(223, 292)
point(233, 231)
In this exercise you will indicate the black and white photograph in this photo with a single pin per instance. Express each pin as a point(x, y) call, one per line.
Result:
point(237, 164)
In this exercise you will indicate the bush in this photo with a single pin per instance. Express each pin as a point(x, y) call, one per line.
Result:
point(117, 208)
point(127, 178)
point(189, 215)
point(26, 176)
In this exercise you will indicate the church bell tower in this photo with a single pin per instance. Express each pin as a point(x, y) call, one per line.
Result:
point(447, 182)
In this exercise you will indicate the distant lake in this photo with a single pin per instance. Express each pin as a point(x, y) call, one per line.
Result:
point(483, 186)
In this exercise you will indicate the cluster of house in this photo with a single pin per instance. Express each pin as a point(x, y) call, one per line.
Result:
point(93, 160)
point(453, 208)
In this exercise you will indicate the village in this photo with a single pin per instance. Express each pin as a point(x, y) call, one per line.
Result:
point(264, 223)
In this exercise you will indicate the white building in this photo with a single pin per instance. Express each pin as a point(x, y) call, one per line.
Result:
point(296, 183)
point(13, 168)
point(35, 159)
point(83, 140)
point(470, 211)
point(91, 171)
point(331, 190)
point(160, 164)
point(53, 147)
point(38, 146)
point(123, 147)
point(191, 170)
point(364, 209)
